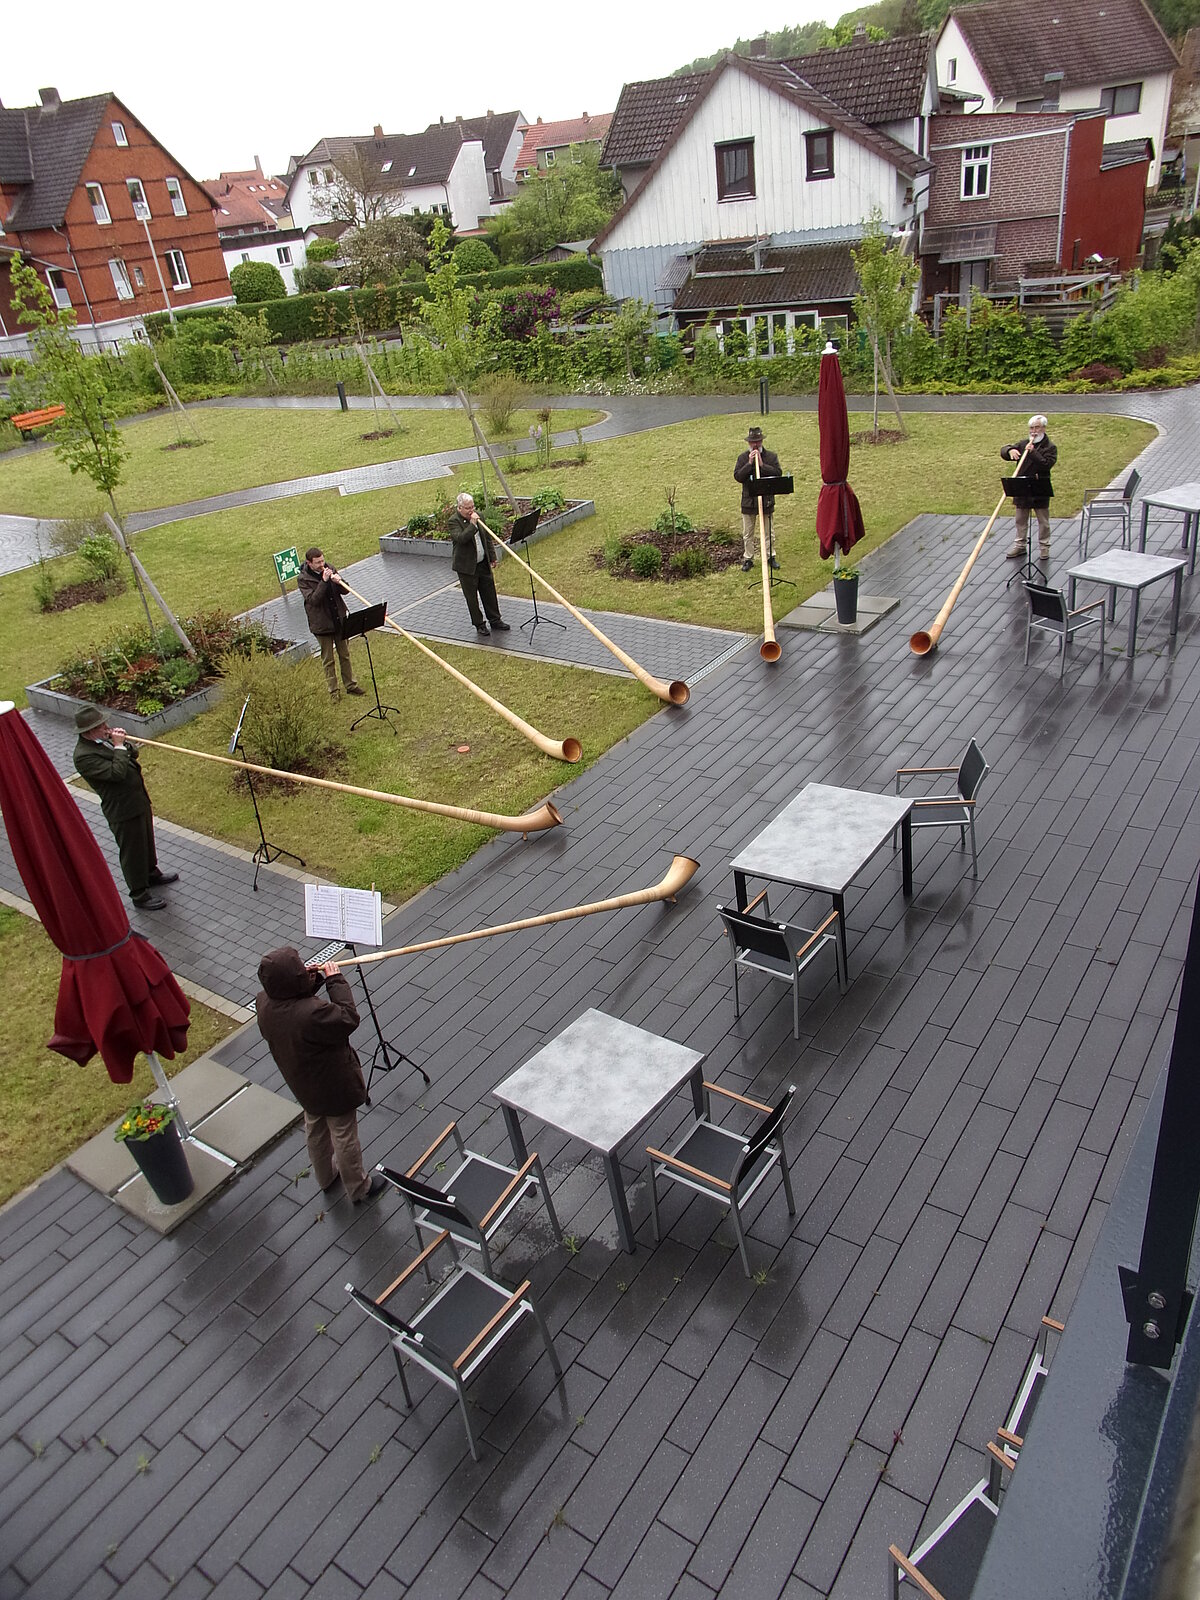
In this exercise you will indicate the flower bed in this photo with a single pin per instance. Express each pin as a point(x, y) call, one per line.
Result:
point(435, 543)
point(650, 556)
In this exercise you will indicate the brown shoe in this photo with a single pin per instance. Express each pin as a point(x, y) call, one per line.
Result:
point(1017, 553)
point(353, 688)
point(1044, 552)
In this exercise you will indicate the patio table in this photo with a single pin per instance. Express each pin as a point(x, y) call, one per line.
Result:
point(822, 840)
point(599, 1081)
point(1135, 571)
point(1183, 497)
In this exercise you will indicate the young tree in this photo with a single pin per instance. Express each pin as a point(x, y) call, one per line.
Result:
point(378, 250)
point(888, 275)
point(571, 200)
point(360, 191)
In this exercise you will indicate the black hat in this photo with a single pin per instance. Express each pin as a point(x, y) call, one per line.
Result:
point(89, 718)
point(755, 436)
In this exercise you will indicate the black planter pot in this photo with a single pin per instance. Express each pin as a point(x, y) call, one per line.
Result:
point(845, 594)
point(164, 1163)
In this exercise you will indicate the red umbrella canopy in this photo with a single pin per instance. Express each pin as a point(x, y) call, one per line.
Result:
point(116, 994)
point(839, 516)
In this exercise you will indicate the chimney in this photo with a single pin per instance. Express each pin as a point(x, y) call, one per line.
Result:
point(491, 113)
point(860, 33)
point(586, 118)
point(49, 99)
point(539, 122)
point(758, 49)
point(458, 116)
point(378, 131)
point(258, 164)
point(442, 120)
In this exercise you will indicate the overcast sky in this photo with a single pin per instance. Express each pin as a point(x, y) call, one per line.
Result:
point(219, 83)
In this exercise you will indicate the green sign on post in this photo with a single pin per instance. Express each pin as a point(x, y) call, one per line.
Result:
point(287, 565)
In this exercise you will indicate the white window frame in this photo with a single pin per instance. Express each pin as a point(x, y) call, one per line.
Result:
point(100, 211)
point(141, 208)
point(120, 278)
point(550, 157)
point(62, 295)
point(175, 196)
point(976, 164)
point(139, 278)
point(314, 177)
point(386, 167)
point(177, 270)
point(952, 69)
point(119, 134)
point(283, 253)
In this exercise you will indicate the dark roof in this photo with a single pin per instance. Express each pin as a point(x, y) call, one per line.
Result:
point(1126, 153)
point(416, 158)
point(647, 115)
point(494, 130)
point(1017, 42)
point(59, 139)
point(328, 149)
point(724, 279)
point(881, 81)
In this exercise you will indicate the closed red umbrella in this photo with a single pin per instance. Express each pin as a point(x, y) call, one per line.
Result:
point(116, 994)
point(839, 516)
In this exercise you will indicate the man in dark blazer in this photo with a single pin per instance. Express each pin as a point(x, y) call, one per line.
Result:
point(322, 591)
point(473, 561)
point(110, 766)
point(757, 461)
point(1042, 456)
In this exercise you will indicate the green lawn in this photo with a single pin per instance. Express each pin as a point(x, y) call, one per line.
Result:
point(48, 1105)
point(244, 448)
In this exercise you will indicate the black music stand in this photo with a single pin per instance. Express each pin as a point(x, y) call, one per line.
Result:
point(381, 1056)
point(363, 622)
point(760, 488)
point(521, 529)
point(264, 853)
point(1030, 488)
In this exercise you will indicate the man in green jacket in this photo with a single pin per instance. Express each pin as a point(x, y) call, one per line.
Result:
point(110, 766)
point(473, 560)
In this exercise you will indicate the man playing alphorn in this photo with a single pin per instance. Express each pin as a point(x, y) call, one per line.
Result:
point(757, 461)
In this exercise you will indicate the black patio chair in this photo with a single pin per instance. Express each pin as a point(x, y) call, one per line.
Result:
point(944, 1566)
point(728, 1167)
point(1109, 505)
point(483, 1190)
point(457, 1328)
point(781, 950)
point(1048, 613)
point(952, 810)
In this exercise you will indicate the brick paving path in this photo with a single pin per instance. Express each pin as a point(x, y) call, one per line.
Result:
point(207, 1411)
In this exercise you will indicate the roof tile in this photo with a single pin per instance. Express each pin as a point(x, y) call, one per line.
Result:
point(1088, 41)
point(792, 275)
point(875, 80)
point(554, 135)
point(60, 139)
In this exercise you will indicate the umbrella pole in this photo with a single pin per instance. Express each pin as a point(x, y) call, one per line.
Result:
point(164, 1083)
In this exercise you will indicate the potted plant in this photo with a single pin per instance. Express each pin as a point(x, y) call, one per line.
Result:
point(845, 593)
point(151, 1135)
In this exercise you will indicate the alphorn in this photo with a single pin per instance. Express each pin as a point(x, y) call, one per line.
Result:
point(769, 649)
point(680, 873)
point(676, 693)
point(546, 815)
point(561, 750)
point(922, 643)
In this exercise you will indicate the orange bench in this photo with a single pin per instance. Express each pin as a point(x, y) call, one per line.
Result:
point(26, 421)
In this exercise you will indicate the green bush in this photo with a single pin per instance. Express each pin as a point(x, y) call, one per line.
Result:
point(473, 255)
point(321, 250)
point(577, 306)
point(288, 723)
point(646, 561)
point(690, 563)
point(253, 281)
point(137, 665)
point(315, 278)
point(500, 397)
point(45, 588)
point(672, 521)
point(548, 500)
point(420, 523)
point(578, 273)
point(616, 552)
point(101, 557)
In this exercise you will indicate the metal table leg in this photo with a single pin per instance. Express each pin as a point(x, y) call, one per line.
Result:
point(739, 890)
point(1177, 597)
point(839, 905)
point(1145, 520)
point(616, 1188)
point(515, 1137)
point(1134, 596)
point(906, 853)
point(697, 1084)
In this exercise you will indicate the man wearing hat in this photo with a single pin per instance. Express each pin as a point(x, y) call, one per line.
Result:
point(110, 766)
point(762, 463)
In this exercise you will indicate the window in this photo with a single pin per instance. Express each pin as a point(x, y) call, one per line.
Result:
point(177, 270)
point(976, 166)
point(141, 207)
point(1122, 101)
point(245, 255)
point(58, 288)
point(120, 278)
point(314, 177)
point(818, 149)
point(98, 204)
point(118, 130)
point(952, 69)
point(328, 174)
point(386, 167)
point(284, 252)
point(735, 170)
point(139, 277)
point(549, 154)
point(1030, 105)
point(175, 196)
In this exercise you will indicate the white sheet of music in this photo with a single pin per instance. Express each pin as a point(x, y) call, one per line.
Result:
point(353, 915)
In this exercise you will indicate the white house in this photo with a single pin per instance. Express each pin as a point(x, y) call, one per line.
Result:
point(312, 181)
point(1063, 55)
point(253, 224)
point(759, 161)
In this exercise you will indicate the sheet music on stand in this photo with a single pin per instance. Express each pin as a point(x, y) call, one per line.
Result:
point(355, 916)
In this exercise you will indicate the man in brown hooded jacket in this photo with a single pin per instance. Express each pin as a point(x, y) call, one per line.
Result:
point(309, 1038)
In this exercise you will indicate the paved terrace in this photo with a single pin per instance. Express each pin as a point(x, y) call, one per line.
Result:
point(206, 1415)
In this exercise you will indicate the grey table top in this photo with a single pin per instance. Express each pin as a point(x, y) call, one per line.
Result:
point(1127, 569)
point(823, 837)
point(1183, 497)
point(599, 1079)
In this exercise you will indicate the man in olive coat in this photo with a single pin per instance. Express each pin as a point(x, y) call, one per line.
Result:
point(325, 609)
point(760, 462)
point(110, 766)
point(309, 1038)
point(473, 561)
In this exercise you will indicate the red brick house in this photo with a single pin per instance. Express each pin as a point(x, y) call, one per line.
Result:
point(114, 223)
point(1018, 194)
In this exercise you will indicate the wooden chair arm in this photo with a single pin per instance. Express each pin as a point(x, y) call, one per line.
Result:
point(750, 904)
point(517, 1178)
point(715, 1088)
point(504, 1310)
point(412, 1267)
point(997, 1454)
point(661, 1155)
point(441, 1139)
point(948, 799)
point(900, 771)
point(1093, 605)
point(1051, 1322)
point(1014, 1439)
point(910, 1571)
point(817, 934)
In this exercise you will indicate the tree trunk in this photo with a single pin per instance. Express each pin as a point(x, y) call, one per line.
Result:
point(887, 378)
point(141, 576)
point(481, 440)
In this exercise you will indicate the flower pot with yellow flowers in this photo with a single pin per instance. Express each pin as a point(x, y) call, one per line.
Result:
point(151, 1135)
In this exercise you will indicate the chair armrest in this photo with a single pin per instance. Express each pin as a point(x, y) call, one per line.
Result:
point(1052, 1323)
point(910, 1571)
point(440, 1140)
point(412, 1267)
point(504, 1310)
point(950, 799)
point(715, 1088)
point(750, 904)
point(999, 1456)
point(517, 1178)
point(1093, 605)
point(900, 771)
point(1015, 1439)
point(661, 1155)
point(817, 933)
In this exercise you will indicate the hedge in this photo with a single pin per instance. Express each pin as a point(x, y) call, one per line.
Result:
point(577, 273)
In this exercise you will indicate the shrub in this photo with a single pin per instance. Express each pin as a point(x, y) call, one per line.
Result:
point(576, 306)
point(252, 281)
point(646, 561)
point(45, 589)
point(101, 557)
point(421, 522)
point(672, 521)
point(315, 278)
point(723, 536)
point(137, 665)
point(691, 563)
point(322, 250)
point(548, 500)
point(500, 396)
point(287, 723)
point(473, 255)
point(521, 313)
point(616, 552)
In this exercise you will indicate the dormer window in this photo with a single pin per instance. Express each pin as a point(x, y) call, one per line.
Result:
point(412, 172)
point(735, 170)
